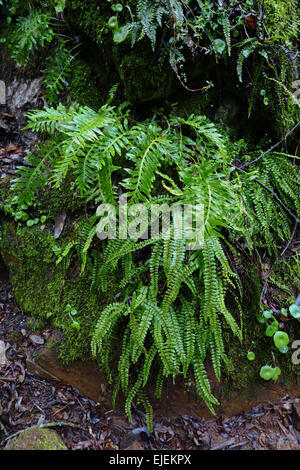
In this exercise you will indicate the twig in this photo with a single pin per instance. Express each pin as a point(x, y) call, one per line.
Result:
point(272, 148)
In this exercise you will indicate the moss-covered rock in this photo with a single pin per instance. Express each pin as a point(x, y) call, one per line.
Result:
point(143, 78)
point(37, 439)
point(42, 287)
point(82, 86)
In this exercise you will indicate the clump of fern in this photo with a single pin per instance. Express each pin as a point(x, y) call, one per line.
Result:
point(39, 34)
point(172, 307)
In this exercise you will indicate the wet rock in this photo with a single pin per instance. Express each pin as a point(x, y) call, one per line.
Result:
point(37, 439)
point(23, 92)
point(36, 340)
point(59, 224)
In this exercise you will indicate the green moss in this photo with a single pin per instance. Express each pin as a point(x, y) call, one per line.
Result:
point(91, 17)
point(37, 439)
point(142, 78)
point(282, 18)
point(41, 287)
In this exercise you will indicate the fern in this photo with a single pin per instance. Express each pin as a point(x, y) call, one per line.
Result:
point(57, 72)
point(31, 33)
point(172, 304)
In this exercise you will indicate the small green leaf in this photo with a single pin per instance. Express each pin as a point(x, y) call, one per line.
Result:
point(30, 223)
point(281, 339)
point(284, 312)
point(268, 314)
point(251, 356)
point(76, 325)
point(219, 46)
point(118, 7)
point(295, 311)
point(277, 372)
point(120, 35)
point(261, 318)
point(271, 329)
point(113, 22)
point(266, 372)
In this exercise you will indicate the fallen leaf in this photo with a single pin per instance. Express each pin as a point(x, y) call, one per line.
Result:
point(59, 224)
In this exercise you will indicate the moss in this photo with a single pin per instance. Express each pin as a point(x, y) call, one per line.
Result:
point(37, 439)
point(41, 287)
point(6, 194)
point(90, 17)
point(281, 18)
point(143, 78)
point(82, 87)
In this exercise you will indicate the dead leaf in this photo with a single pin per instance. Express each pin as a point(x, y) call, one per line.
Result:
point(59, 224)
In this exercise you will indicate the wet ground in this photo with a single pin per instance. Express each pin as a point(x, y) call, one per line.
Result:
point(27, 400)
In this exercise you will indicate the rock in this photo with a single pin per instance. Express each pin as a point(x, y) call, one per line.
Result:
point(36, 439)
point(36, 340)
point(22, 92)
point(131, 440)
point(83, 375)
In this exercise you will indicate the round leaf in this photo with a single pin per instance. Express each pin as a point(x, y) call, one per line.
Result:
point(251, 356)
point(266, 372)
point(281, 339)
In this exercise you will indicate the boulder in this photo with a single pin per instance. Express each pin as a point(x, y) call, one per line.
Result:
point(36, 438)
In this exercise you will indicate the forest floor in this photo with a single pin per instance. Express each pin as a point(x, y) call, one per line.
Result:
point(27, 400)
